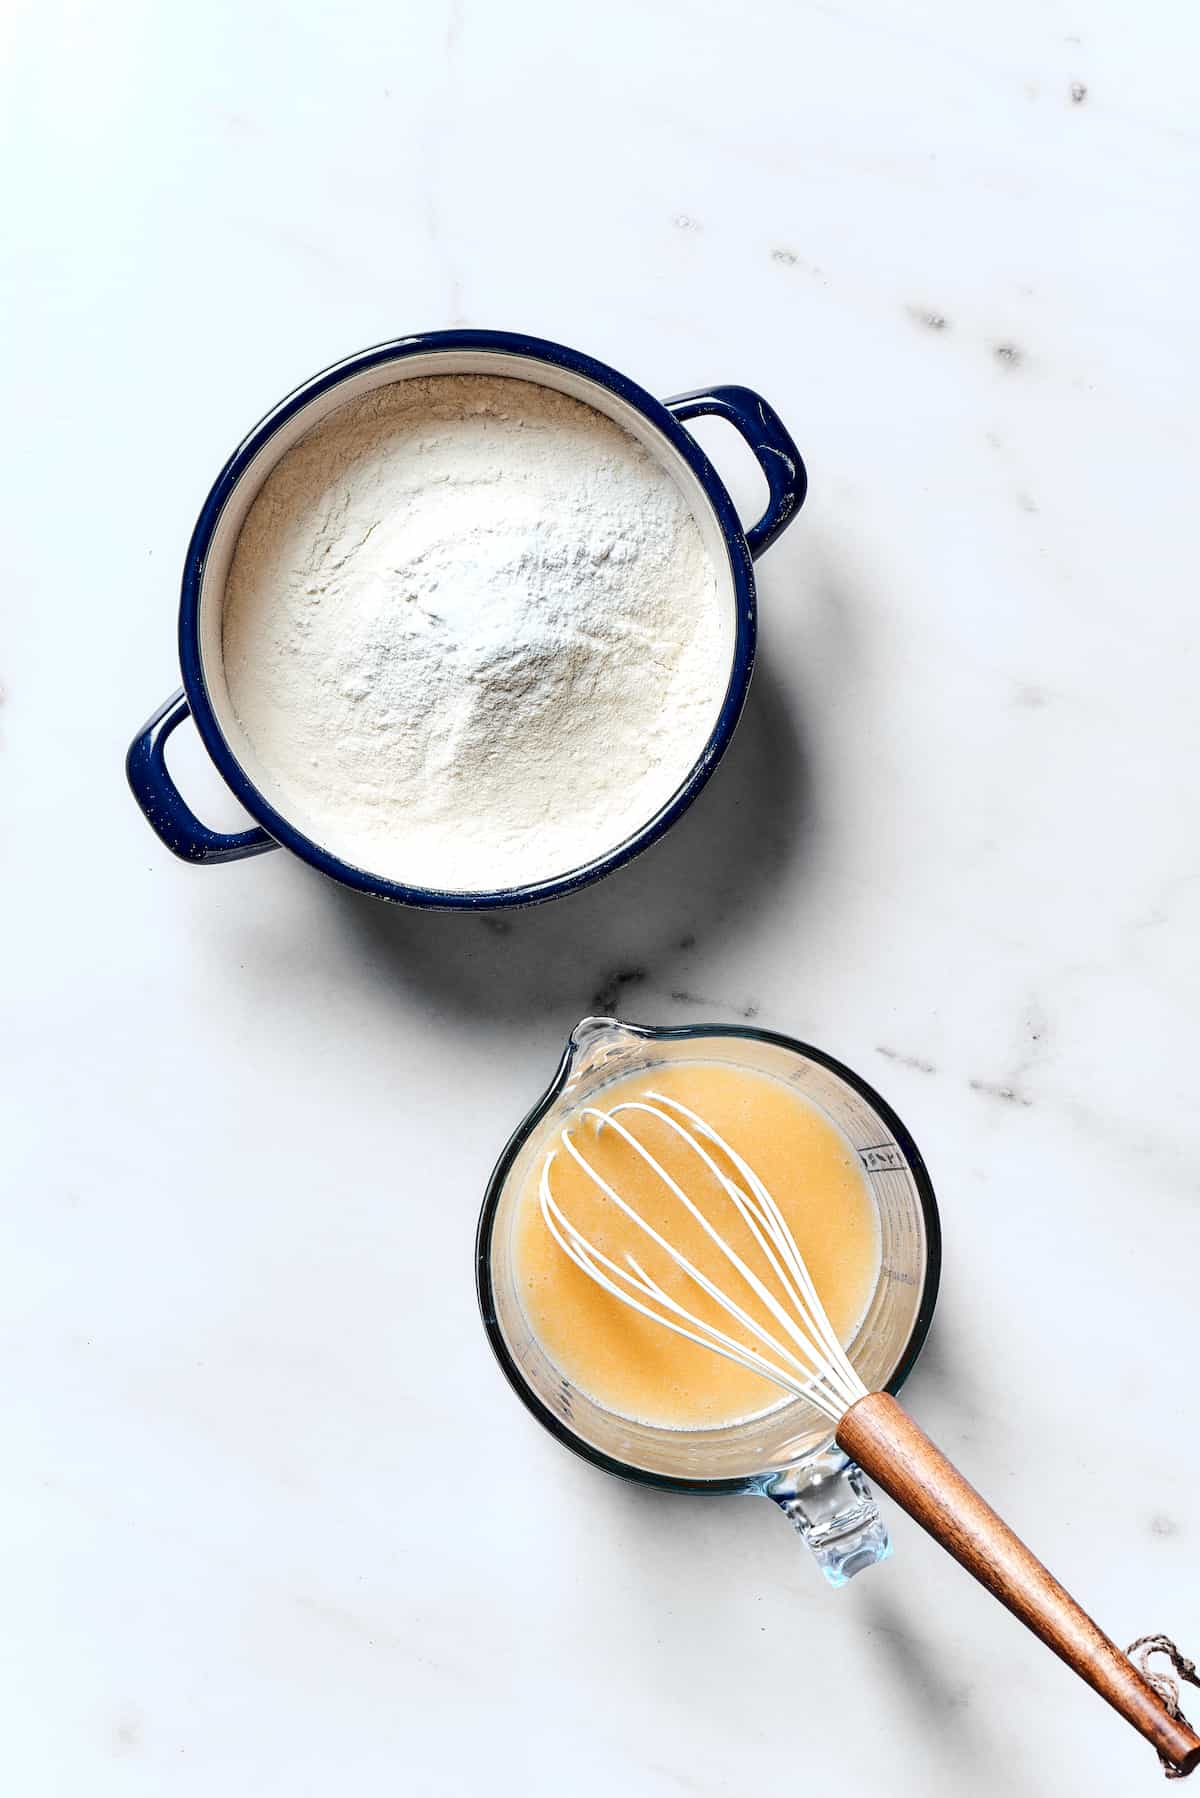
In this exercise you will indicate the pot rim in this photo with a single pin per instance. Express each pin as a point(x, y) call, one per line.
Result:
point(491, 1201)
point(533, 349)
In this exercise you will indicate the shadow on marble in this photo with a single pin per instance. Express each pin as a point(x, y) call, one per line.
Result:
point(939, 1371)
point(694, 1572)
point(636, 935)
point(968, 1728)
point(906, 1665)
point(956, 1400)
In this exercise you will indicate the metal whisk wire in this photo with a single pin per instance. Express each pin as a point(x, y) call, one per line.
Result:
point(806, 1359)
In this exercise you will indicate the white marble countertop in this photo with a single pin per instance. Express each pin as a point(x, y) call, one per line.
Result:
point(272, 1522)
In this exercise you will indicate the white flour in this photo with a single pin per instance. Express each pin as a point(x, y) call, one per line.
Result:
point(472, 634)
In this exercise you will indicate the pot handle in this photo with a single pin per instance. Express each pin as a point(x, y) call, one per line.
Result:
point(768, 437)
point(166, 811)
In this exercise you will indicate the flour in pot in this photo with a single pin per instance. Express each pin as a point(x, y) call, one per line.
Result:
point(472, 634)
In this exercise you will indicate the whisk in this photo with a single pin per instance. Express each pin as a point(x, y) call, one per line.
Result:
point(800, 1352)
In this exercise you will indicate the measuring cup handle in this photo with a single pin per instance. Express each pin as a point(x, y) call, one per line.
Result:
point(829, 1502)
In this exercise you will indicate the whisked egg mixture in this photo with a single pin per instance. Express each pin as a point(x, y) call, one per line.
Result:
point(626, 1362)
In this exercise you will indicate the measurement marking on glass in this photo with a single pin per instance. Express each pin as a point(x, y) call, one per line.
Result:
point(901, 1279)
point(881, 1158)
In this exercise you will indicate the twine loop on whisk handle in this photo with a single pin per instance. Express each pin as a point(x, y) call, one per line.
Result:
point(1167, 1688)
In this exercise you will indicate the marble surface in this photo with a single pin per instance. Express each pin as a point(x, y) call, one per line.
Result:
point(271, 1521)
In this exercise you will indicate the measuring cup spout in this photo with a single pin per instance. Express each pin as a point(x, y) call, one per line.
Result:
point(828, 1500)
point(604, 1043)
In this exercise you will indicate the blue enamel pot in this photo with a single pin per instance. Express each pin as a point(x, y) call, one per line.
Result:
point(660, 427)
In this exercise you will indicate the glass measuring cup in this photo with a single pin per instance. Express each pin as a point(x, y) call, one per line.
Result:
point(788, 1453)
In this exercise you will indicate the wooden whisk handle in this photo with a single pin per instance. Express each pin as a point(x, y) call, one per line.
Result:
point(894, 1452)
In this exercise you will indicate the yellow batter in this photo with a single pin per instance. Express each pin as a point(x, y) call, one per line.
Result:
point(629, 1364)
